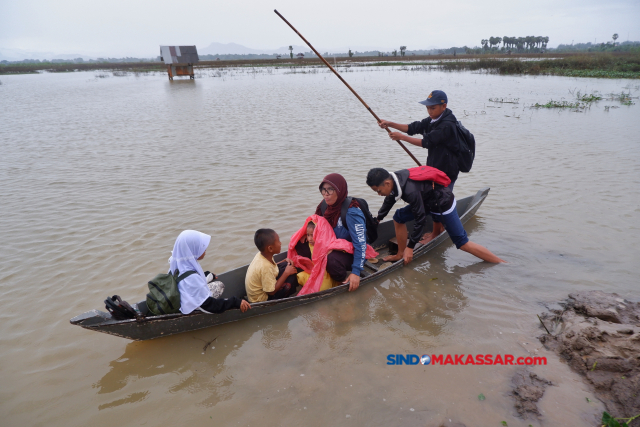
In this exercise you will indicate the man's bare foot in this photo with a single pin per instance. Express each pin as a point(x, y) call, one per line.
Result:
point(427, 238)
point(392, 258)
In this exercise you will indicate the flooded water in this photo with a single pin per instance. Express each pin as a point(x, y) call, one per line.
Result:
point(100, 173)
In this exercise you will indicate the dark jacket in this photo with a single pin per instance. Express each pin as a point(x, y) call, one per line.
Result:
point(422, 196)
point(441, 140)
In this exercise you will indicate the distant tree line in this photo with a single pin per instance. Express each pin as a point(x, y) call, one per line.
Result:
point(609, 46)
point(517, 44)
point(81, 61)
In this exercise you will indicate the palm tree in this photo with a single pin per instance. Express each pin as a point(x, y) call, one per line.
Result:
point(291, 51)
point(615, 37)
point(506, 40)
point(545, 40)
point(529, 42)
point(402, 49)
point(484, 43)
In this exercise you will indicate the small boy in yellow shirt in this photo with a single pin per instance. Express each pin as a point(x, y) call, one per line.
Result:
point(266, 280)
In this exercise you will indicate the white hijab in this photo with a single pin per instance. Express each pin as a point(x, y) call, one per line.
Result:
point(189, 246)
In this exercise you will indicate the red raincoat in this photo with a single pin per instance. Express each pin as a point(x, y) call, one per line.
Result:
point(427, 173)
point(325, 241)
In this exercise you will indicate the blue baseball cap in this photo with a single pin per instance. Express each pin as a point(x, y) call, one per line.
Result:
point(436, 97)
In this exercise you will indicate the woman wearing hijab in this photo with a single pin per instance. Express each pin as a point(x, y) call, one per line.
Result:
point(190, 247)
point(334, 191)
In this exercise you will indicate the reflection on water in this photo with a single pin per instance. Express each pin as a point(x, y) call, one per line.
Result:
point(99, 175)
point(392, 305)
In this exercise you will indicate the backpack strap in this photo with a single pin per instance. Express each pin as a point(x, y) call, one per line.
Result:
point(323, 207)
point(343, 209)
point(157, 303)
point(184, 276)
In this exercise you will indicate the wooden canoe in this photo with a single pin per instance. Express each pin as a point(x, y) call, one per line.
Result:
point(161, 326)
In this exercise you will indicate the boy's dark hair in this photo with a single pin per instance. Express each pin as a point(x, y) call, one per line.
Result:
point(377, 176)
point(311, 224)
point(263, 238)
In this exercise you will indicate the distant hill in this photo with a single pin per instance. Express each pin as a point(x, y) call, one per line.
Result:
point(238, 49)
point(20, 54)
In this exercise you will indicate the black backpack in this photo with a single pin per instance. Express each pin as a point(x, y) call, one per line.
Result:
point(372, 224)
point(467, 151)
point(121, 310)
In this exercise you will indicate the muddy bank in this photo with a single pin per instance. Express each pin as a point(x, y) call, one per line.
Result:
point(598, 334)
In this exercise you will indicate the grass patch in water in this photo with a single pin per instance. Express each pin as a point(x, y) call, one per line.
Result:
point(623, 98)
point(594, 65)
point(559, 104)
point(589, 98)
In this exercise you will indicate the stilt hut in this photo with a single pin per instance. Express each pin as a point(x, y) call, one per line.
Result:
point(179, 60)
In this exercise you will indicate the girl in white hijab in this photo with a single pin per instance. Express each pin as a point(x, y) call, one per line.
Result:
point(190, 247)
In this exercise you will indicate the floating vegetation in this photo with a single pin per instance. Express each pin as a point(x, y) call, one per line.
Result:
point(623, 98)
point(505, 100)
point(303, 71)
point(588, 98)
point(561, 104)
point(584, 101)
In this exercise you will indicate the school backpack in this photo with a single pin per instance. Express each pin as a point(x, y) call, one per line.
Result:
point(467, 149)
point(120, 309)
point(164, 296)
point(371, 223)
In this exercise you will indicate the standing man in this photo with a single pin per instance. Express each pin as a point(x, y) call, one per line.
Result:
point(439, 137)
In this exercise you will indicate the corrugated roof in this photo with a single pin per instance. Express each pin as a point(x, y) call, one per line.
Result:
point(179, 54)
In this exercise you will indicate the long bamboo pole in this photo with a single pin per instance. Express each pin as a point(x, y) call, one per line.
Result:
point(346, 84)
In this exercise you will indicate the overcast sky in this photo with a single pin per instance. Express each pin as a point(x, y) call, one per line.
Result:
point(119, 28)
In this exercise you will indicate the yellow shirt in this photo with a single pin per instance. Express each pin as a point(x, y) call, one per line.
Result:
point(327, 281)
point(261, 278)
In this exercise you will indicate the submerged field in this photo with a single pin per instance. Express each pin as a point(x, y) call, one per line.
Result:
point(596, 65)
point(599, 65)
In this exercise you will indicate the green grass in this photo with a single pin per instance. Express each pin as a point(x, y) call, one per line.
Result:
point(589, 98)
point(623, 98)
point(594, 65)
point(560, 104)
point(598, 65)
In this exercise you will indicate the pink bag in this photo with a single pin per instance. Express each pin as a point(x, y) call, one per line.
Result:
point(325, 241)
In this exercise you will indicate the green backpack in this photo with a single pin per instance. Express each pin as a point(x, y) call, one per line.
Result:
point(164, 296)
